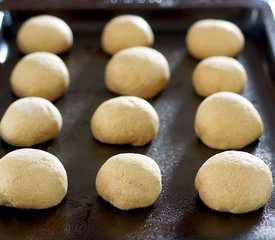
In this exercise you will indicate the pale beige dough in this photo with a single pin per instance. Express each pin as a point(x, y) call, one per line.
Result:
point(218, 73)
point(44, 33)
point(214, 37)
point(40, 74)
point(234, 181)
point(129, 181)
point(226, 120)
point(125, 120)
point(137, 71)
point(126, 31)
point(32, 179)
point(30, 121)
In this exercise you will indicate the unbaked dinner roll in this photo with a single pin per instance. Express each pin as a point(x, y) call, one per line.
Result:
point(32, 179)
point(129, 181)
point(137, 71)
point(226, 120)
point(30, 121)
point(125, 120)
point(234, 181)
point(126, 31)
point(214, 37)
point(40, 74)
point(44, 33)
point(218, 73)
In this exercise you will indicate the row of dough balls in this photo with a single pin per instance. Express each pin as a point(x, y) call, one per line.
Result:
point(32, 120)
point(224, 120)
point(129, 181)
point(231, 181)
point(215, 43)
point(205, 38)
point(41, 72)
point(135, 69)
point(36, 179)
point(209, 37)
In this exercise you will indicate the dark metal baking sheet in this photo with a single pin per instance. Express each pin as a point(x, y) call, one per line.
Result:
point(178, 213)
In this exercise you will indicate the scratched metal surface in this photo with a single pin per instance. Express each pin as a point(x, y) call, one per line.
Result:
point(178, 213)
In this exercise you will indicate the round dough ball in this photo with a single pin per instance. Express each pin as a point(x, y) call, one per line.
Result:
point(129, 181)
point(40, 74)
point(137, 71)
point(32, 179)
point(234, 181)
point(30, 121)
point(212, 37)
point(218, 73)
point(126, 31)
point(44, 33)
point(226, 120)
point(125, 120)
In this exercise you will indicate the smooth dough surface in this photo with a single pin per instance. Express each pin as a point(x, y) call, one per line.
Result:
point(125, 120)
point(44, 33)
point(137, 71)
point(214, 37)
point(129, 181)
point(126, 31)
point(218, 73)
point(234, 181)
point(40, 74)
point(31, 179)
point(29, 121)
point(226, 120)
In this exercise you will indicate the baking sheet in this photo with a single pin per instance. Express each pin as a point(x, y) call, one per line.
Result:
point(178, 213)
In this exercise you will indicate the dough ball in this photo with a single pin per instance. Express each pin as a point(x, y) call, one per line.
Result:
point(32, 179)
point(212, 37)
point(30, 121)
point(129, 181)
point(234, 181)
point(44, 33)
point(126, 31)
point(227, 120)
point(137, 71)
point(125, 120)
point(40, 74)
point(218, 73)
